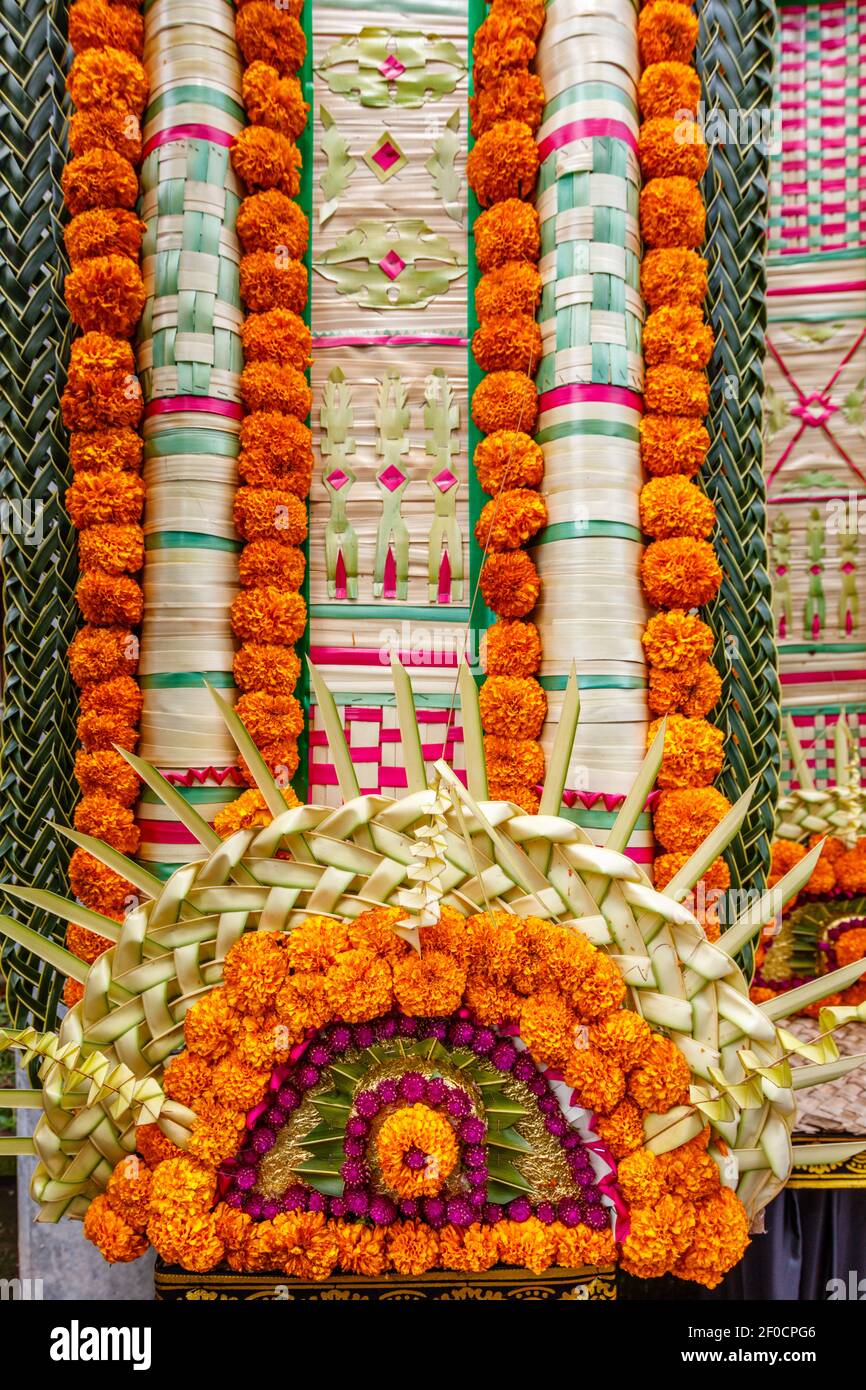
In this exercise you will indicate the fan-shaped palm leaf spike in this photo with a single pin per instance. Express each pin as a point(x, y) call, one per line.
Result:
point(446, 844)
point(839, 807)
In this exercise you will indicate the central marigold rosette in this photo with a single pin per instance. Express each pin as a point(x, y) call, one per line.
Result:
point(417, 1150)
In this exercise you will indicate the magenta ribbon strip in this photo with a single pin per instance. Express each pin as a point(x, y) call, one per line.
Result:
point(589, 393)
point(577, 130)
point(388, 340)
point(204, 405)
point(191, 131)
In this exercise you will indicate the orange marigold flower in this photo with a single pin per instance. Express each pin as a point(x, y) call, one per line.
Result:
point(513, 789)
point(268, 614)
point(120, 696)
point(413, 1247)
point(689, 1171)
point(672, 211)
point(431, 983)
point(510, 289)
point(269, 562)
point(505, 401)
point(518, 95)
point(106, 451)
point(503, 42)
point(96, 399)
point(508, 231)
point(672, 444)
point(519, 758)
point(115, 549)
point(511, 648)
point(272, 386)
point(115, 1239)
point(270, 512)
point(833, 849)
point(254, 971)
point(691, 690)
point(721, 1235)
point(662, 1079)
point(492, 1004)
point(269, 281)
point(529, 15)
point(667, 866)
point(107, 294)
point(512, 707)
point(503, 163)
point(676, 640)
point(421, 1128)
point(510, 584)
point(271, 100)
point(86, 945)
point(510, 520)
point(261, 1040)
point(472, 1248)
point(101, 730)
point(373, 930)
point(851, 946)
point(672, 275)
point(106, 819)
point(188, 1240)
point(270, 717)
point(671, 146)
point(547, 1027)
point(694, 752)
point(238, 1085)
point(675, 507)
point(527, 1244)
point(101, 653)
point(263, 159)
point(249, 811)
point(276, 336)
point(667, 32)
point(508, 342)
point(108, 77)
point(270, 222)
point(109, 599)
point(659, 1236)
point(283, 440)
point(128, 1191)
point(784, 854)
point(449, 934)
point(676, 335)
point(188, 1079)
point(270, 35)
point(666, 88)
point(622, 1035)
point(676, 391)
point(98, 886)
point(107, 128)
point(508, 458)
point(302, 1003)
point(103, 232)
point(99, 179)
point(640, 1177)
point(281, 758)
point(680, 573)
point(73, 993)
point(96, 24)
point(362, 1248)
point(580, 1245)
point(154, 1146)
point(358, 986)
point(822, 881)
point(599, 1083)
point(209, 1025)
point(265, 666)
point(850, 870)
point(682, 820)
point(316, 943)
point(601, 989)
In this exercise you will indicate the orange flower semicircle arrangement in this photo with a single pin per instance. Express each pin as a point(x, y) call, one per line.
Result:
point(426, 1112)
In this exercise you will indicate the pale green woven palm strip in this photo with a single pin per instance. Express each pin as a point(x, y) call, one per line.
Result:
point(39, 569)
point(735, 61)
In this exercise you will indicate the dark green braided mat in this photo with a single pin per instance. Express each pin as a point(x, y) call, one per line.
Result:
point(735, 58)
point(38, 575)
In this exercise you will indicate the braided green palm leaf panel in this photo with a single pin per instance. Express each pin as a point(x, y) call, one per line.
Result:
point(735, 61)
point(38, 556)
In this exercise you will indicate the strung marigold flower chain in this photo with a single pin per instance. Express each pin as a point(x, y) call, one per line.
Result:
point(680, 571)
point(502, 169)
point(101, 407)
point(276, 461)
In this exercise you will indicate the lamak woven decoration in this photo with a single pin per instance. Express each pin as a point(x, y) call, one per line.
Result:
point(735, 56)
point(437, 854)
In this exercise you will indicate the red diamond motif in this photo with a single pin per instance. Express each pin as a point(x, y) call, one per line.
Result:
point(392, 265)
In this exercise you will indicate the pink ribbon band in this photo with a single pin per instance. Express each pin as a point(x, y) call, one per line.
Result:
point(578, 130)
point(203, 405)
point(190, 131)
point(589, 394)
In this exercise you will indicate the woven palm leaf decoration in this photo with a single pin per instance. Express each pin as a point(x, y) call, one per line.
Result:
point(207, 942)
point(735, 59)
point(39, 566)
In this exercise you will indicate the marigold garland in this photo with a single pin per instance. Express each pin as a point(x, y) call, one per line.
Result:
point(101, 406)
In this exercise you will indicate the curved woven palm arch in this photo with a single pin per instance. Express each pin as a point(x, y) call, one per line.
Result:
point(102, 1073)
point(735, 58)
point(40, 616)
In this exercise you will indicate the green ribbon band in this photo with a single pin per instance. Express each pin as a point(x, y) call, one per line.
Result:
point(189, 540)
